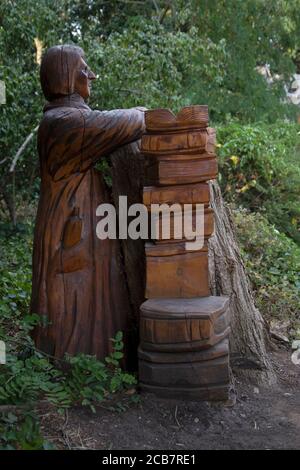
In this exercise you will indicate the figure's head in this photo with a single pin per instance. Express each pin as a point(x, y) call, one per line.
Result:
point(64, 71)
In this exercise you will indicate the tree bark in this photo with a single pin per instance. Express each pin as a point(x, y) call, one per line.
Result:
point(249, 336)
point(128, 180)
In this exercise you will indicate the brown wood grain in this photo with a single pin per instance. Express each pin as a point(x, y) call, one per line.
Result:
point(161, 172)
point(200, 375)
point(179, 275)
point(189, 117)
point(201, 141)
point(176, 220)
point(180, 194)
point(170, 326)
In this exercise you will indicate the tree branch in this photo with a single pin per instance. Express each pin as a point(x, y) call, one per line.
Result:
point(22, 148)
point(155, 6)
point(162, 16)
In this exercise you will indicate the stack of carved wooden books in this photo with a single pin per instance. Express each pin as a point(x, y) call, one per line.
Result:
point(183, 330)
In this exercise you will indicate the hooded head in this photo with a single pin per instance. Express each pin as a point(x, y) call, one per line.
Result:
point(64, 72)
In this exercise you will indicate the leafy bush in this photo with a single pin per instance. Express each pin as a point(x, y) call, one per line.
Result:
point(21, 431)
point(144, 53)
point(157, 64)
point(273, 263)
point(259, 170)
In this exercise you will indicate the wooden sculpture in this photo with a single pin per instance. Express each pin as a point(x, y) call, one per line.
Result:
point(78, 283)
point(183, 350)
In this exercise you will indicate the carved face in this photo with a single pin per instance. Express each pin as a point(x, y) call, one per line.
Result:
point(83, 79)
point(64, 71)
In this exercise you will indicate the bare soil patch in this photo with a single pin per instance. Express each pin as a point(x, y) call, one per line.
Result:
point(261, 418)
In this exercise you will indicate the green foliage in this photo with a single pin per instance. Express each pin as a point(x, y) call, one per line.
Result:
point(21, 432)
point(145, 53)
point(259, 169)
point(255, 32)
point(157, 63)
point(90, 381)
point(83, 380)
point(105, 167)
point(273, 264)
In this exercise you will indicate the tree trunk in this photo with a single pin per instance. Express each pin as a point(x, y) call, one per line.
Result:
point(128, 180)
point(249, 336)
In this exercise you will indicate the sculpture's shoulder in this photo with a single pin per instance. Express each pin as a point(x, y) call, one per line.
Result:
point(59, 117)
point(60, 125)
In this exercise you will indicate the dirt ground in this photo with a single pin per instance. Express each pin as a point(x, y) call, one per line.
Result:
point(261, 418)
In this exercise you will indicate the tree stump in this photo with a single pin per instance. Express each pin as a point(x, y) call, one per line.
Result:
point(128, 178)
point(249, 336)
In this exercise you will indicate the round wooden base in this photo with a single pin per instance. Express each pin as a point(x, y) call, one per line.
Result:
point(184, 350)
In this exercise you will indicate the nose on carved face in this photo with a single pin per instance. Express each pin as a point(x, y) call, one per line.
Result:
point(84, 79)
point(87, 72)
point(91, 75)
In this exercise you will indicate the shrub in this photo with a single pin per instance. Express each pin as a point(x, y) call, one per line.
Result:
point(273, 263)
point(259, 170)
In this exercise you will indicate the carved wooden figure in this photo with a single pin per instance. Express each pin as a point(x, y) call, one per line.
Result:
point(78, 280)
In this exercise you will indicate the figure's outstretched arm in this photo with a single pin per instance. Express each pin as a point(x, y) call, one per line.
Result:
point(88, 136)
point(105, 131)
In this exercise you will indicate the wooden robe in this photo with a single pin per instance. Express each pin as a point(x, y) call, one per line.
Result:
point(78, 281)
